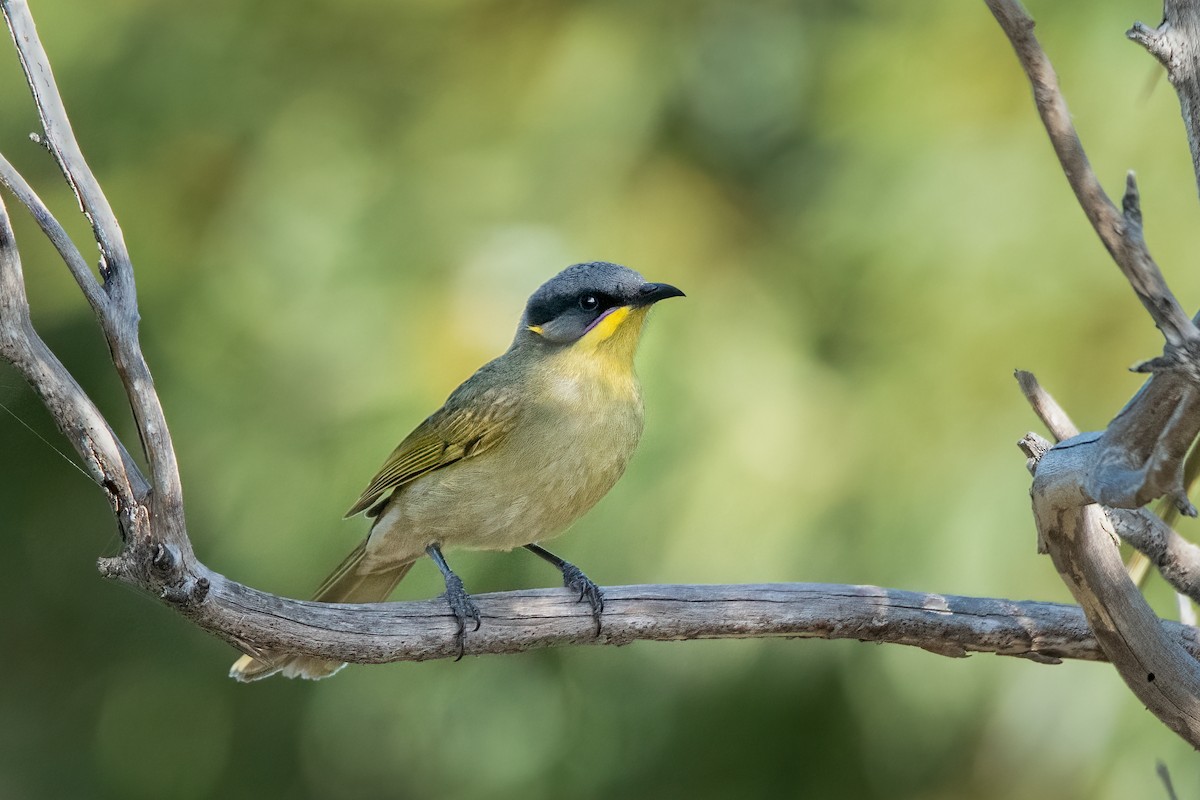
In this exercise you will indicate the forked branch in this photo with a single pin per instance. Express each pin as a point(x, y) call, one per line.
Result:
point(1139, 457)
point(157, 555)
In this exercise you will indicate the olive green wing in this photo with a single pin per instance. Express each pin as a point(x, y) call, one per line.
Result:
point(458, 430)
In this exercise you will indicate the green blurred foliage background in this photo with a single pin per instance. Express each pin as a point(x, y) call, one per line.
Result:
point(336, 210)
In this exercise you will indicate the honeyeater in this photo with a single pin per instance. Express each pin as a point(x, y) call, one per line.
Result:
point(517, 453)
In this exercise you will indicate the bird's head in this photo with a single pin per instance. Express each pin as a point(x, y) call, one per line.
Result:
point(591, 306)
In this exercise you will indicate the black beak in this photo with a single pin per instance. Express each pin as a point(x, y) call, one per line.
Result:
point(653, 292)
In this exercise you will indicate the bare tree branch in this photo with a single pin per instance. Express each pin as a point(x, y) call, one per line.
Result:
point(1177, 559)
point(1119, 232)
point(119, 315)
point(1046, 407)
point(1162, 674)
point(76, 416)
point(12, 180)
point(60, 141)
point(1140, 456)
point(157, 555)
point(517, 621)
point(1176, 44)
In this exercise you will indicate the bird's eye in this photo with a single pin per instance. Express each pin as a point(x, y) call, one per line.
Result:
point(588, 302)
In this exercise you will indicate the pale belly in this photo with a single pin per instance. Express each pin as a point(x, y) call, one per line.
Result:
point(528, 488)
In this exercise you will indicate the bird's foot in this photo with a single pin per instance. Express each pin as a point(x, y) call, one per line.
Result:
point(463, 608)
point(576, 581)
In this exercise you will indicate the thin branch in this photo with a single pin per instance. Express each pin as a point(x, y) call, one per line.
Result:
point(80, 271)
point(60, 141)
point(1164, 775)
point(118, 318)
point(1119, 232)
point(76, 416)
point(1176, 44)
point(1046, 407)
point(1176, 559)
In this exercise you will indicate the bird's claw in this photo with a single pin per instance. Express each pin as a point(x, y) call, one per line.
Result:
point(463, 608)
point(576, 581)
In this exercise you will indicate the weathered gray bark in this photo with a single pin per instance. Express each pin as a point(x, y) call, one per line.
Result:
point(515, 621)
point(1176, 44)
point(157, 555)
point(1177, 559)
point(1140, 455)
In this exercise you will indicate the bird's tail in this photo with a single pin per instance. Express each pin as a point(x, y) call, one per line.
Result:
point(345, 585)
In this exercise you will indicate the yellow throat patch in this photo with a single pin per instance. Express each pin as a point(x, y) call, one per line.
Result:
point(603, 357)
point(608, 347)
point(619, 331)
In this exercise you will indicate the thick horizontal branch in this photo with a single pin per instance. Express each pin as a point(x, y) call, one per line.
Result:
point(523, 620)
point(518, 621)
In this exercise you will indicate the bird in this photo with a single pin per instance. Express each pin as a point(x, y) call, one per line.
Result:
point(518, 452)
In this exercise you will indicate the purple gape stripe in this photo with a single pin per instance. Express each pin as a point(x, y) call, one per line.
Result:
point(596, 321)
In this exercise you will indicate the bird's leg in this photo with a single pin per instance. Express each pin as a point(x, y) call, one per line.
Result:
point(575, 580)
point(456, 597)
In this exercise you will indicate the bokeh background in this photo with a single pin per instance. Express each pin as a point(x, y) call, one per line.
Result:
point(336, 210)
